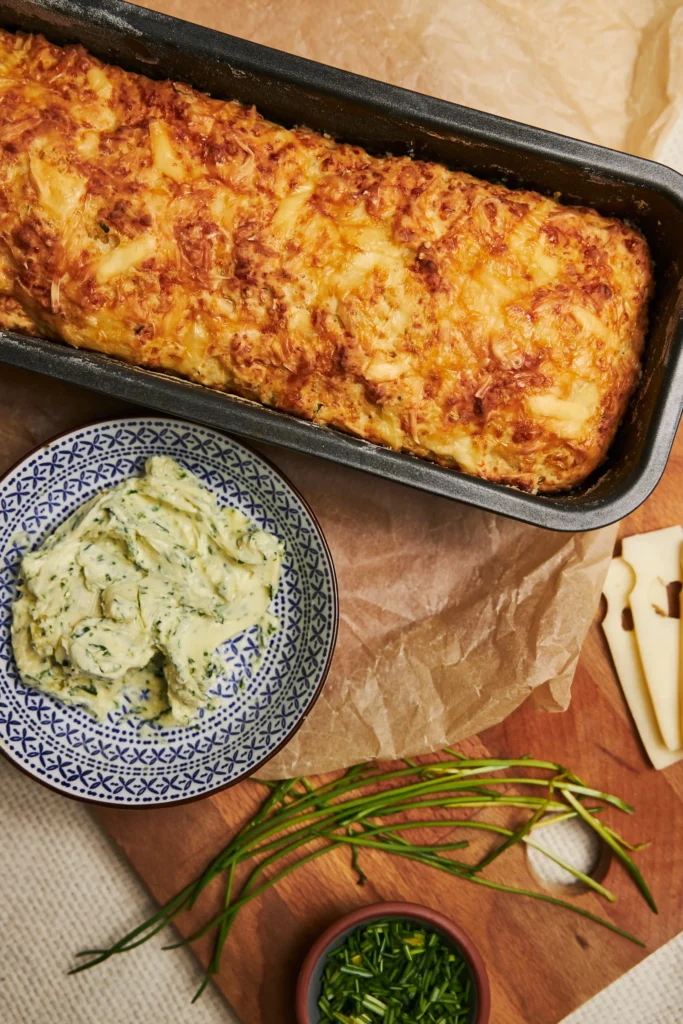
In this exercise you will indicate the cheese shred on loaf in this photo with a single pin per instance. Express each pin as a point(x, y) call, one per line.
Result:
point(491, 330)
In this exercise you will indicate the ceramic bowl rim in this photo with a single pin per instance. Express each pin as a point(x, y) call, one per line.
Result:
point(415, 911)
point(7, 754)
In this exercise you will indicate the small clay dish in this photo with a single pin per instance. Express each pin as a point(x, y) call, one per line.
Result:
point(308, 985)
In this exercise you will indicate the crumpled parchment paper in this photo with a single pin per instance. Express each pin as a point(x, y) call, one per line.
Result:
point(451, 617)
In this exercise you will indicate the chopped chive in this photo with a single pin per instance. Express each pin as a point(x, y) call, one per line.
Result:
point(427, 990)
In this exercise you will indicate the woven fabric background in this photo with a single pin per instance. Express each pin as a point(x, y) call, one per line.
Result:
point(63, 886)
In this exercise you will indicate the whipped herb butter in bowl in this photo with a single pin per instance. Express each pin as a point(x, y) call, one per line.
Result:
point(168, 611)
point(136, 592)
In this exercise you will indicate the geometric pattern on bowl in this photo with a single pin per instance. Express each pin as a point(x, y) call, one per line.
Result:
point(125, 761)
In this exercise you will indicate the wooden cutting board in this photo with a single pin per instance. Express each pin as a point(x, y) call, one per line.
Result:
point(543, 962)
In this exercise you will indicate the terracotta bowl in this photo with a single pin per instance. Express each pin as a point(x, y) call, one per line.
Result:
point(308, 985)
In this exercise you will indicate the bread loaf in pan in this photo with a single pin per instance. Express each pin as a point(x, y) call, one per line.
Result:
point(491, 330)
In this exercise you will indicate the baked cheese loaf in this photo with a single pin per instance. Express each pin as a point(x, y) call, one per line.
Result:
point(494, 331)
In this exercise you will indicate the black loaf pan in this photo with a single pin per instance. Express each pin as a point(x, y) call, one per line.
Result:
point(384, 119)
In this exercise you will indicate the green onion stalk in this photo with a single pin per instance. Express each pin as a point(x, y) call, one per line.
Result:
point(299, 822)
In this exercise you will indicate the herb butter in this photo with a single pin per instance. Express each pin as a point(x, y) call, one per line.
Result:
point(137, 590)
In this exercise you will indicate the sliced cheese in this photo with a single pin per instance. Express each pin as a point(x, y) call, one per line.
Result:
point(460, 448)
point(380, 369)
point(99, 83)
point(567, 417)
point(124, 257)
point(58, 190)
point(656, 561)
point(590, 323)
point(618, 585)
point(165, 158)
point(290, 209)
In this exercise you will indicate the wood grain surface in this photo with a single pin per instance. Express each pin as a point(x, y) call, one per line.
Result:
point(543, 962)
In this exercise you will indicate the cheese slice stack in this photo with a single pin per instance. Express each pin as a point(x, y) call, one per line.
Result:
point(648, 657)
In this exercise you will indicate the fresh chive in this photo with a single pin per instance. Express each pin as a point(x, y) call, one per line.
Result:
point(387, 963)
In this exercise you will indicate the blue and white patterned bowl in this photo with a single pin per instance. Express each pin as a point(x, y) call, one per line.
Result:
point(123, 761)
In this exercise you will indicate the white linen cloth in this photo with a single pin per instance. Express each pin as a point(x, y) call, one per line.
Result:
point(63, 885)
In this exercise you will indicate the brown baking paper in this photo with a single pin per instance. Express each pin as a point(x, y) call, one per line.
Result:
point(449, 617)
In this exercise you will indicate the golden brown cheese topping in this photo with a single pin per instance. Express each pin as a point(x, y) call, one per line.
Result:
point(494, 331)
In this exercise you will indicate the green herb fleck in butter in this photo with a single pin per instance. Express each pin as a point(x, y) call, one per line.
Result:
point(137, 590)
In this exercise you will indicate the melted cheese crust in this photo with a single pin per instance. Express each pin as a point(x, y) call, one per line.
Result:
point(494, 331)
